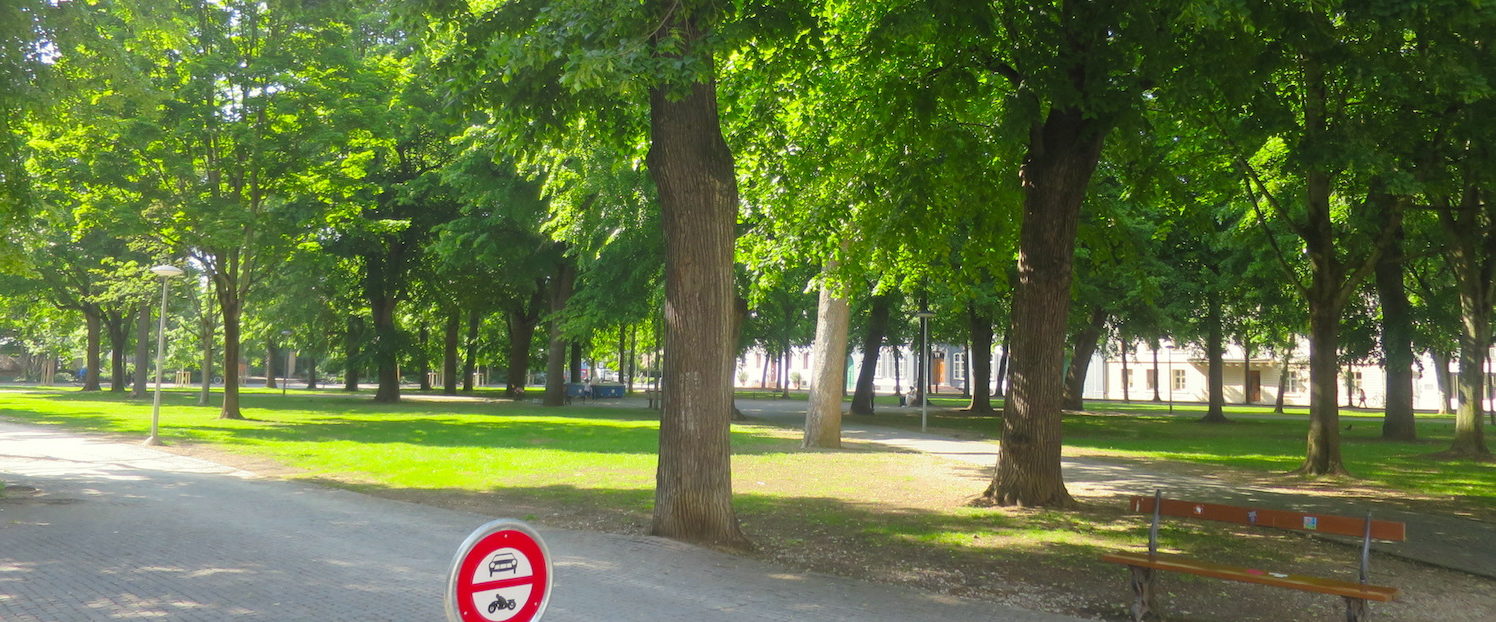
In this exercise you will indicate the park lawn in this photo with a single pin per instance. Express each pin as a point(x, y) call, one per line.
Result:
point(863, 511)
point(1263, 444)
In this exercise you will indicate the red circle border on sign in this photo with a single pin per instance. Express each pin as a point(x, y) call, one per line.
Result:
point(507, 538)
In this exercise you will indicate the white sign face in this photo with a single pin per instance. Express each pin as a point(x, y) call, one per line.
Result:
point(501, 574)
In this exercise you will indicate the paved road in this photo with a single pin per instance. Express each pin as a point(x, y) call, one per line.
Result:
point(126, 532)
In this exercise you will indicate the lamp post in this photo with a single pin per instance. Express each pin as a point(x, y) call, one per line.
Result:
point(166, 272)
point(286, 374)
point(924, 316)
point(1170, 347)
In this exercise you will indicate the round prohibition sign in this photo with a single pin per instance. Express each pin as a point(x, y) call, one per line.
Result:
point(502, 573)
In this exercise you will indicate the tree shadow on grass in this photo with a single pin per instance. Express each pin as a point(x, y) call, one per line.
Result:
point(1032, 556)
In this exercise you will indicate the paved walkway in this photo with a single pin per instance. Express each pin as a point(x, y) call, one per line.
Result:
point(1442, 540)
point(121, 531)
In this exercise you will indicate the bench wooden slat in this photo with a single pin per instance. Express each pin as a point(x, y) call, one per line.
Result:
point(1281, 519)
point(1180, 563)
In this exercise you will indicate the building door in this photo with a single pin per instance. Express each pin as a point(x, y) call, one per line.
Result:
point(937, 373)
point(1254, 386)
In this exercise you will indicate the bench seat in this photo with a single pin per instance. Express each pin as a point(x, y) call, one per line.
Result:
point(1188, 565)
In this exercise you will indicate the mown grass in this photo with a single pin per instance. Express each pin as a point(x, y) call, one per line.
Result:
point(577, 456)
point(1253, 440)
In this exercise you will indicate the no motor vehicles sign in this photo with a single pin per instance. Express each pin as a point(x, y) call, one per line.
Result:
point(502, 573)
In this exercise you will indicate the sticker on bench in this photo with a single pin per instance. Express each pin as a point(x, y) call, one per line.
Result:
point(1252, 517)
point(1199, 509)
point(1311, 522)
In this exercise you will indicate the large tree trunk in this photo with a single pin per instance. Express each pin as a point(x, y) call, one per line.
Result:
point(1323, 443)
point(351, 343)
point(205, 335)
point(386, 348)
point(423, 358)
point(1062, 156)
point(574, 364)
point(521, 336)
point(1126, 373)
point(1157, 378)
point(693, 171)
point(119, 339)
point(979, 380)
point(91, 358)
point(142, 350)
point(1442, 379)
point(872, 344)
point(1080, 359)
point(1246, 368)
point(828, 380)
point(449, 353)
point(1215, 355)
point(556, 350)
point(1283, 381)
point(470, 350)
point(228, 305)
point(1002, 363)
point(270, 358)
point(311, 373)
point(1474, 276)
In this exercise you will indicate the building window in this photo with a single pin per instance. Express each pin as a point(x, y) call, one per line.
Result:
point(1295, 382)
point(958, 360)
point(1152, 379)
point(807, 361)
point(1127, 377)
point(1179, 380)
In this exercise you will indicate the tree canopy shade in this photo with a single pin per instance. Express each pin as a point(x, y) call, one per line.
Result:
point(554, 73)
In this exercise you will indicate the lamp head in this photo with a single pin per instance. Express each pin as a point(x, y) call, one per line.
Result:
point(167, 271)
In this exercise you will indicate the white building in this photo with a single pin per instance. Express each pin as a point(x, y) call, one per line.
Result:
point(1185, 369)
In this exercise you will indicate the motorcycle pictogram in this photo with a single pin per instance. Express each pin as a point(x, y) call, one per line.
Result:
point(500, 602)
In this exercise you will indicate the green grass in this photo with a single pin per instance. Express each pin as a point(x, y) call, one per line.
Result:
point(1251, 441)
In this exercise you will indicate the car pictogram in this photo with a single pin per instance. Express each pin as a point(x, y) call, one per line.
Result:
point(502, 562)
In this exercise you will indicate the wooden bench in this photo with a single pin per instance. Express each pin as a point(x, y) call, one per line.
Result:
point(1356, 594)
point(656, 401)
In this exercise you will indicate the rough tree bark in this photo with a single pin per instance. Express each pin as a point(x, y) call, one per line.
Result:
point(521, 320)
point(1062, 155)
point(556, 350)
point(1002, 364)
point(828, 376)
point(142, 351)
point(1126, 373)
point(229, 308)
point(423, 365)
point(118, 326)
point(1155, 375)
point(1283, 381)
point(1080, 359)
point(1397, 340)
point(1442, 379)
point(449, 352)
point(692, 168)
point(351, 342)
point(1215, 355)
point(91, 358)
point(386, 348)
point(980, 358)
point(872, 345)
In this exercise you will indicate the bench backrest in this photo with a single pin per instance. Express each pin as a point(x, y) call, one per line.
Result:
point(1282, 519)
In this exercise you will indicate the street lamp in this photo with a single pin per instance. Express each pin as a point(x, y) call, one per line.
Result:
point(286, 373)
point(924, 316)
point(166, 272)
point(1171, 377)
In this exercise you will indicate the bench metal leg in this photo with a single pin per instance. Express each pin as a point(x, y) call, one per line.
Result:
point(1356, 610)
point(1144, 607)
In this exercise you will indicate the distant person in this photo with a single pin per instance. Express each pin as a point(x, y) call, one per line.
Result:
point(903, 401)
point(1361, 395)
